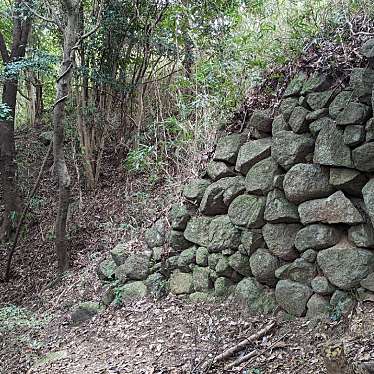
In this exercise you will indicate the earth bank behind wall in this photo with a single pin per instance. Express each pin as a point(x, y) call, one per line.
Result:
point(284, 215)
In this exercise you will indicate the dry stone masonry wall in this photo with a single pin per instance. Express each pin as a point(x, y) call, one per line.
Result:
point(284, 214)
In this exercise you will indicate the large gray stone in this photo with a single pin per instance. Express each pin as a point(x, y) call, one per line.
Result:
point(136, 266)
point(280, 239)
point(228, 147)
point(339, 103)
point(293, 296)
point(345, 266)
point(255, 297)
point(261, 120)
point(279, 210)
point(222, 286)
point(219, 195)
point(133, 290)
point(252, 152)
point(369, 128)
point(319, 100)
point(363, 157)
point(289, 148)
point(156, 236)
point(297, 121)
point(362, 81)
point(259, 179)
point(181, 283)
point(197, 231)
point(263, 265)
point(240, 263)
point(353, 114)
point(317, 237)
point(348, 180)
point(194, 190)
point(223, 268)
point(106, 269)
point(330, 148)
point(368, 194)
point(335, 209)
point(306, 182)
point(247, 211)
point(287, 105)
point(223, 235)
point(120, 253)
point(317, 114)
point(279, 124)
point(300, 271)
point(179, 217)
point(218, 169)
point(186, 259)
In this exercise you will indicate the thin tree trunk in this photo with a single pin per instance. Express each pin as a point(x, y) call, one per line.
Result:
point(60, 167)
point(8, 166)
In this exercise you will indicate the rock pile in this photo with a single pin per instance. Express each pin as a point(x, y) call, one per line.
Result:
point(284, 214)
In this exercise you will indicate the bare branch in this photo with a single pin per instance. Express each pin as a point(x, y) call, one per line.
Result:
point(48, 20)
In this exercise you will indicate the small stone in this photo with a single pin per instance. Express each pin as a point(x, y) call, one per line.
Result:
point(220, 194)
point(263, 265)
point(289, 148)
point(296, 84)
point(181, 283)
point(108, 295)
point(300, 271)
point(362, 81)
point(157, 285)
point(318, 307)
point(353, 114)
point(363, 157)
point(354, 135)
point(259, 179)
point(106, 270)
point(330, 148)
point(279, 210)
point(348, 180)
point(342, 303)
point(293, 296)
point(261, 120)
point(365, 295)
point(201, 279)
point(202, 254)
point(218, 169)
point(339, 103)
point(278, 181)
point(316, 126)
point(223, 269)
point(156, 236)
point(85, 311)
point(247, 211)
point(179, 217)
point(279, 124)
point(280, 239)
point(223, 235)
point(316, 115)
point(317, 237)
point(319, 100)
point(255, 297)
point(368, 194)
point(309, 255)
point(135, 267)
point(362, 235)
point(252, 152)
point(186, 259)
point(133, 290)
point(178, 242)
point(228, 147)
point(345, 266)
point(195, 189)
point(287, 105)
point(298, 120)
point(369, 128)
point(157, 253)
point(197, 231)
point(240, 263)
point(214, 259)
point(120, 253)
point(251, 240)
point(306, 182)
point(335, 209)
point(367, 49)
point(322, 286)
point(46, 137)
point(201, 297)
point(222, 286)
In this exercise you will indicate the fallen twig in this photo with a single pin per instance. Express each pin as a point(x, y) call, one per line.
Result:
point(229, 352)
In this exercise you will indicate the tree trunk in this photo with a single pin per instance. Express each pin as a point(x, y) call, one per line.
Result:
point(8, 166)
point(60, 167)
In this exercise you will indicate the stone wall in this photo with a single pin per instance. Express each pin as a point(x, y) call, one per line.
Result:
point(284, 214)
